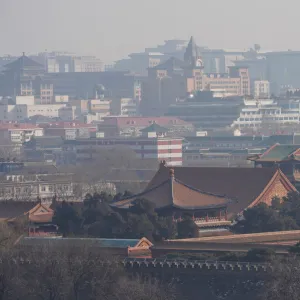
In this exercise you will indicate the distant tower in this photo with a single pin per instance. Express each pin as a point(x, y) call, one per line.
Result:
point(192, 56)
point(193, 68)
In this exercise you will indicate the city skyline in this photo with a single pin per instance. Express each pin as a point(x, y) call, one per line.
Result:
point(127, 26)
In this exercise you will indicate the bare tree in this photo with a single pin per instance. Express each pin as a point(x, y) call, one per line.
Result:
point(91, 274)
point(10, 280)
point(46, 274)
point(23, 192)
point(64, 192)
point(79, 273)
point(144, 288)
point(70, 272)
point(10, 151)
point(81, 189)
point(283, 282)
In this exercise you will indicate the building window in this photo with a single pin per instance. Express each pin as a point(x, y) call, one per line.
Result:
point(26, 190)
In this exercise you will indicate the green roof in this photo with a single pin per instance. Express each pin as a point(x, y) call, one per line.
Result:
point(278, 139)
point(102, 243)
point(279, 153)
point(154, 128)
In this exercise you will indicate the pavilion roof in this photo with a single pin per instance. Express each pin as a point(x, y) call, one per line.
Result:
point(22, 63)
point(172, 192)
point(208, 187)
point(154, 128)
point(278, 153)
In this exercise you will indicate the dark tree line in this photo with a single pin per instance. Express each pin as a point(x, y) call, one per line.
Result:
point(40, 273)
point(97, 219)
point(283, 214)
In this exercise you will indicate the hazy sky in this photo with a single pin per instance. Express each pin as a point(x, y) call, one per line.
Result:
point(111, 29)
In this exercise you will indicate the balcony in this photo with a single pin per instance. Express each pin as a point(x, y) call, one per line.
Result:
point(209, 221)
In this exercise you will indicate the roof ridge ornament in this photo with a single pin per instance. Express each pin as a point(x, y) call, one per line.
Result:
point(172, 172)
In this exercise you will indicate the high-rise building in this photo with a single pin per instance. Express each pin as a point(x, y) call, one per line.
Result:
point(127, 107)
point(170, 47)
point(57, 62)
point(214, 60)
point(261, 89)
point(280, 68)
point(139, 63)
point(174, 79)
point(220, 60)
point(257, 67)
point(283, 69)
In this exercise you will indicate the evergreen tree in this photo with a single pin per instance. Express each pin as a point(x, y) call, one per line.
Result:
point(67, 219)
point(262, 218)
point(98, 219)
point(187, 228)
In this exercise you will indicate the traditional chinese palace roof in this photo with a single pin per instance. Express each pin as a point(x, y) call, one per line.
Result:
point(21, 63)
point(11, 210)
point(154, 128)
point(278, 153)
point(198, 188)
point(172, 192)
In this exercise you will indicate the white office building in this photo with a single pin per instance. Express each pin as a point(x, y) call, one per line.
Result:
point(266, 113)
point(261, 89)
point(19, 112)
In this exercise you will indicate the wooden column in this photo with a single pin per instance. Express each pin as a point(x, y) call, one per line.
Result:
point(226, 214)
point(220, 215)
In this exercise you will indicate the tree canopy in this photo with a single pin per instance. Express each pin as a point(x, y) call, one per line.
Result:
point(284, 214)
point(96, 218)
point(187, 228)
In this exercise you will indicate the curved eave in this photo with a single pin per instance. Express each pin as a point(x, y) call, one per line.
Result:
point(274, 160)
point(120, 207)
point(205, 207)
point(253, 158)
point(128, 201)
